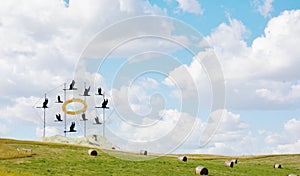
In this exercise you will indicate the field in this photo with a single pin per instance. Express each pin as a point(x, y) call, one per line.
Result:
point(58, 159)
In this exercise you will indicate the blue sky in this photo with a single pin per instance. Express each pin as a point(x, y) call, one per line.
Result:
point(155, 80)
point(216, 12)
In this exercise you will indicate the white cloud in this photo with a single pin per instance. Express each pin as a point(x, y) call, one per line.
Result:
point(233, 137)
point(275, 138)
point(4, 130)
point(192, 80)
point(281, 94)
point(42, 41)
point(292, 148)
point(141, 7)
point(264, 74)
point(230, 47)
point(50, 131)
point(292, 127)
point(155, 34)
point(190, 6)
point(264, 8)
point(22, 109)
point(143, 97)
point(285, 141)
point(230, 127)
point(163, 136)
point(259, 76)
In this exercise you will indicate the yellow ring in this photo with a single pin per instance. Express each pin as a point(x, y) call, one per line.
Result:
point(71, 101)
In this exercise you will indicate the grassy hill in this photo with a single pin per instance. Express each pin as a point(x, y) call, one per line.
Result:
point(58, 159)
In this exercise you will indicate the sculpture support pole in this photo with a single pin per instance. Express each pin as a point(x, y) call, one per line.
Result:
point(84, 121)
point(44, 132)
point(65, 115)
point(103, 122)
point(103, 132)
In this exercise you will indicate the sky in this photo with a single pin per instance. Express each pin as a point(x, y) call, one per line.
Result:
point(181, 76)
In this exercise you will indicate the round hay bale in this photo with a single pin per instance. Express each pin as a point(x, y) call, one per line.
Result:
point(235, 161)
point(182, 158)
point(293, 175)
point(143, 152)
point(92, 152)
point(228, 163)
point(277, 166)
point(201, 170)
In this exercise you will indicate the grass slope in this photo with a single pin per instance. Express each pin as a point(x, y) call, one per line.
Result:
point(58, 159)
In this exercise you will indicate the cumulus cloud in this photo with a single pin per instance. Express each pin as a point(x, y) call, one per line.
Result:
point(4, 130)
point(42, 41)
point(190, 6)
point(232, 137)
point(264, 7)
point(230, 127)
point(166, 134)
point(264, 74)
point(21, 110)
point(287, 141)
point(293, 127)
point(50, 131)
point(282, 93)
point(292, 148)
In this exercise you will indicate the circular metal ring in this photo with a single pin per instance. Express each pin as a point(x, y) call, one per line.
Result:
point(72, 101)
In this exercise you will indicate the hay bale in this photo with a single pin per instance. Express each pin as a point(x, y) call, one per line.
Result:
point(182, 158)
point(201, 170)
point(92, 152)
point(143, 152)
point(228, 163)
point(293, 175)
point(277, 166)
point(235, 161)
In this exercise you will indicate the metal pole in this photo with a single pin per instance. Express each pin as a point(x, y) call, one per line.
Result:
point(103, 117)
point(44, 132)
point(103, 122)
point(65, 115)
point(84, 128)
point(84, 121)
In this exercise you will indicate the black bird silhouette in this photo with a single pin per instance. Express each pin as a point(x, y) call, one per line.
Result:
point(86, 91)
point(72, 86)
point(58, 117)
point(83, 117)
point(100, 91)
point(71, 128)
point(104, 104)
point(59, 100)
point(97, 121)
point(45, 103)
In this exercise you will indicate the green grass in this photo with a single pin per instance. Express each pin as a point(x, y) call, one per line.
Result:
point(59, 159)
point(9, 152)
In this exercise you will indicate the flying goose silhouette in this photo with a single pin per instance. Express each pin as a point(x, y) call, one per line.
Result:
point(59, 100)
point(45, 103)
point(58, 117)
point(99, 91)
point(104, 104)
point(71, 128)
point(83, 117)
point(72, 86)
point(86, 91)
point(97, 121)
